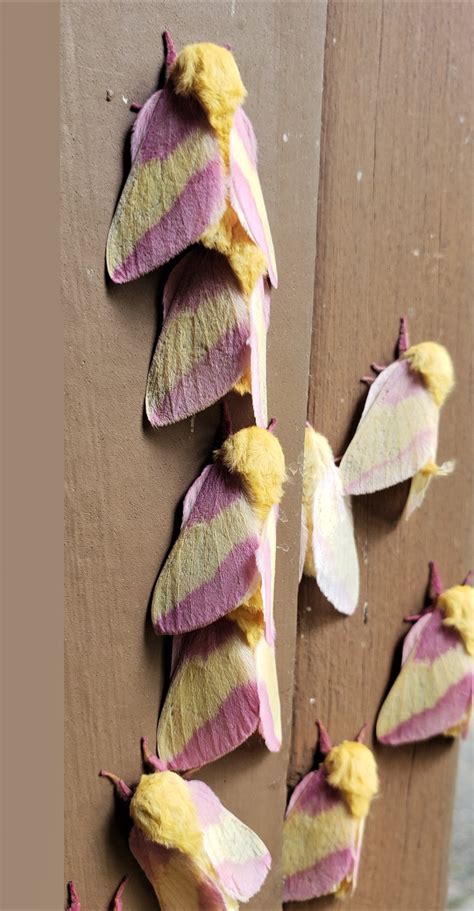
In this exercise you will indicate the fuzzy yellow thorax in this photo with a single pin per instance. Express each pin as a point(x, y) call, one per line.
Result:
point(210, 74)
point(351, 767)
point(317, 458)
point(436, 367)
point(256, 455)
point(162, 808)
point(457, 605)
point(249, 617)
point(229, 238)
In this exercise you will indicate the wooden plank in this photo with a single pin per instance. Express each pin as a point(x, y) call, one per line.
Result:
point(124, 482)
point(393, 237)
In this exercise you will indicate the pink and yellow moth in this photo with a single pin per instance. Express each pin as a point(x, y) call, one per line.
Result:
point(195, 853)
point(325, 819)
point(328, 550)
point(432, 694)
point(216, 588)
point(194, 180)
point(75, 905)
point(397, 436)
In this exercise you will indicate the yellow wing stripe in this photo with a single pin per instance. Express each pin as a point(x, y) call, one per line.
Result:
point(198, 553)
point(198, 691)
point(420, 686)
point(307, 839)
point(151, 192)
point(187, 339)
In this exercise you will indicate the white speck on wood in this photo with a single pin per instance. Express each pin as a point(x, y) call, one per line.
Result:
point(416, 252)
point(309, 608)
point(285, 137)
point(232, 7)
point(124, 99)
point(312, 700)
point(334, 41)
point(359, 176)
point(462, 118)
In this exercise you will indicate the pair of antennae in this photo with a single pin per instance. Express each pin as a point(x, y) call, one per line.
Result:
point(325, 744)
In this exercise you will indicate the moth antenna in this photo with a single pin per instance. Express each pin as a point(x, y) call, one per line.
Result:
point(435, 584)
point(170, 50)
point(73, 903)
point(123, 789)
point(272, 424)
point(117, 906)
point(469, 580)
point(403, 336)
point(150, 759)
point(324, 740)
point(361, 736)
point(135, 107)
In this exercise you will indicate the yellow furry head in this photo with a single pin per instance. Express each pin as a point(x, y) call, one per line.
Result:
point(209, 73)
point(249, 617)
point(256, 455)
point(351, 767)
point(457, 605)
point(436, 367)
point(162, 808)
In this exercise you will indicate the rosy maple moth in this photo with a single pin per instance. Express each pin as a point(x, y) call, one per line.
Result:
point(397, 436)
point(325, 819)
point(433, 692)
point(194, 181)
point(195, 853)
point(216, 587)
point(328, 550)
point(75, 905)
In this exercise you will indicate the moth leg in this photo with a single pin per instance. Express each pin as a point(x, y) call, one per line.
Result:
point(135, 107)
point(118, 895)
point(123, 789)
point(378, 368)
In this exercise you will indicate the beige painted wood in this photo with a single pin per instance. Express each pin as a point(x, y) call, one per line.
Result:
point(123, 481)
point(394, 236)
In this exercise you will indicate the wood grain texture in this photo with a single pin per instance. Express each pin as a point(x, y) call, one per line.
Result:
point(124, 481)
point(394, 236)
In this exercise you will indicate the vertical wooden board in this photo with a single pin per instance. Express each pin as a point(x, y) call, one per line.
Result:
point(395, 208)
point(123, 481)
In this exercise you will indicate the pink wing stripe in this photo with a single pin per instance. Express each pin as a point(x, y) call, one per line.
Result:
point(243, 192)
point(413, 636)
point(321, 879)
point(179, 228)
point(193, 493)
point(406, 384)
point(200, 644)
point(245, 197)
point(244, 879)
point(235, 722)
point(142, 122)
point(314, 795)
point(425, 442)
point(172, 120)
point(219, 490)
point(448, 711)
point(266, 725)
point(435, 639)
point(207, 382)
point(199, 275)
point(208, 806)
point(232, 581)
